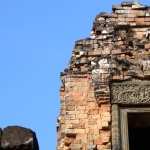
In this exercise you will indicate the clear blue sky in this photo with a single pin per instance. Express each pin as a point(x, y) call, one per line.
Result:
point(36, 40)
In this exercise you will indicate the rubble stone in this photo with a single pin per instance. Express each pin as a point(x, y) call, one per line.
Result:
point(18, 138)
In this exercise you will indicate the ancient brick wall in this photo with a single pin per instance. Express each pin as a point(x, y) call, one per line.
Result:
point(82, 119)
point(118, 49)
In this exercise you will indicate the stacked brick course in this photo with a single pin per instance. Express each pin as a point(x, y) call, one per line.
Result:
point(118, 49)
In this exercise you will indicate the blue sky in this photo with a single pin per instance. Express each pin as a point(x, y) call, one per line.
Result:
point(36, 41)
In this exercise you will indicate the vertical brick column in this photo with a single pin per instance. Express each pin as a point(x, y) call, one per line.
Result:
point(84, 124)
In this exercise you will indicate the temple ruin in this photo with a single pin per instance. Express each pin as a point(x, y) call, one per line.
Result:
point(105, 92)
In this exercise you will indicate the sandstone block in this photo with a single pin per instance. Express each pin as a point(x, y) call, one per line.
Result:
point(76, 147)
point(18, 138)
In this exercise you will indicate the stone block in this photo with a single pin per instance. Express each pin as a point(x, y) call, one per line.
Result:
point(80, 131)
point(139, 20)
point(82, 116)
point(92, 147)
point(105, 124)
point(15, 137)
point(76, 147)
point(147, 19)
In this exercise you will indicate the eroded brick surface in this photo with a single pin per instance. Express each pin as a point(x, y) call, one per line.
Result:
point(118, 49)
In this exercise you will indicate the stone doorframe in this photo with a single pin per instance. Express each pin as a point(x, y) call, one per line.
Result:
point(132, 96)
point(120, 140)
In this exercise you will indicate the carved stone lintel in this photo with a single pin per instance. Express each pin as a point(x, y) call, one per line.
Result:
point(130, 92)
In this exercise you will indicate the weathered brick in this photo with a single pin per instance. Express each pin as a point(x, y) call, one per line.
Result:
point(117, 50)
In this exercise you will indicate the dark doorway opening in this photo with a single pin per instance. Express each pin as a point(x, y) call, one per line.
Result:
point(139, 131)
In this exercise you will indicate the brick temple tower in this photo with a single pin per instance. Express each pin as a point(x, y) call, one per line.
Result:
point(105, 92)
